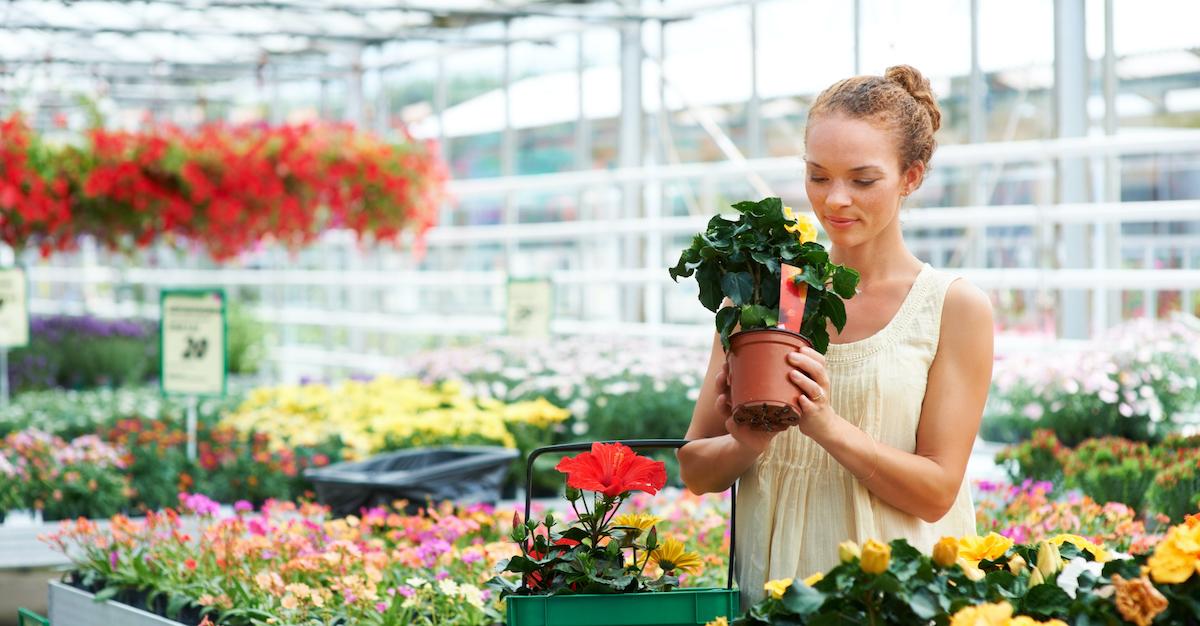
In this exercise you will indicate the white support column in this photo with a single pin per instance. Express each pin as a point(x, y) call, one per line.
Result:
point(1109, 302)
point(629, 149)
point(508, 153)
point(754, 132)
point(976, 133)
point(857, 25)
point(1070, 99)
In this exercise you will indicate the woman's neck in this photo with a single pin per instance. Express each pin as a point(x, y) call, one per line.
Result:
point(881, 259)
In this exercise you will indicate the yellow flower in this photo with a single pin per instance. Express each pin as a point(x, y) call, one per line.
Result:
point(1137, 600)
point(875, 557)
point(997, 614)
point(1048, 559)
point(848, 551)
point(1098, 552)
point(945, 551)
point(1036, 578)
point(970, 569)
point(975, 548)
point(1017, 565)
point(804, 227)
point(720, 621)
point(814, 579)
point(640, 521)
point(670, 555)
point(1177, 556)
point(777, 587)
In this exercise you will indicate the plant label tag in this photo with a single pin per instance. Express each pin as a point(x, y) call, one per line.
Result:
point(791, 298)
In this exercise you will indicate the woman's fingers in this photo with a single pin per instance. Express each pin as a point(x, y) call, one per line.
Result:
point(806, 385)
point(810, 365)
point(723, 408)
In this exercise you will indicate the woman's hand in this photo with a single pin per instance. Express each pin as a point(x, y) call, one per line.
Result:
point(756, 440)
point(810, 377)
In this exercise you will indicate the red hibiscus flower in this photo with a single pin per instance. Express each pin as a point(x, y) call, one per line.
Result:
point(613, 469)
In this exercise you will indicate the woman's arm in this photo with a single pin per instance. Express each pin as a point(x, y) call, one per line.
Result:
point(720, 450)
point(925, 482)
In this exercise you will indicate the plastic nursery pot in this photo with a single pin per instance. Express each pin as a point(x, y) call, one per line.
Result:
point(761, 393)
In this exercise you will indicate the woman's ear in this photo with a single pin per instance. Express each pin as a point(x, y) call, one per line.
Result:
point(912, 178)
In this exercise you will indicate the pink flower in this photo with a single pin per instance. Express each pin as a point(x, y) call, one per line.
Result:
point(243, 506)
point(381, 607)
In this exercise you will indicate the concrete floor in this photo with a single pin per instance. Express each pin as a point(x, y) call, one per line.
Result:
point(23, 588)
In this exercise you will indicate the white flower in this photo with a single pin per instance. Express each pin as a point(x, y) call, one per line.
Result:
point(416, 583)
point(471, 594)
point(448, 587)
point(1068, 578)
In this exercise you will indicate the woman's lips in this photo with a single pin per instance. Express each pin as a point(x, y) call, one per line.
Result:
point(840, 222)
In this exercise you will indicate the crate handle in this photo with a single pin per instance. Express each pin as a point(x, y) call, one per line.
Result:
point(34, 618)
point(637, 444)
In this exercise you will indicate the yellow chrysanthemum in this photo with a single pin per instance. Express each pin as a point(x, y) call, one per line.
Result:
point(814, 579)
point(804, 227)
point(670, 555)
point(640, 521)
point(720, 621)
point(777, 587)
point(1098, 552)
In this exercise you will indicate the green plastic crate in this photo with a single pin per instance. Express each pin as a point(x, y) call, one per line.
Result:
point(681, 607)
point(25, 617)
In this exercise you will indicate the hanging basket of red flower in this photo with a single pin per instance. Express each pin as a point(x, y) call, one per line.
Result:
point(595, 571)
point(225, 188)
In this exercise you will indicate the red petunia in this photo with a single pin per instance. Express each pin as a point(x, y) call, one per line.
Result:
point(613, 469)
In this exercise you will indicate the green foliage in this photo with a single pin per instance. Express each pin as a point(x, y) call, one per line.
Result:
point(245, 339)
point(741, 260)
point(1163, 478)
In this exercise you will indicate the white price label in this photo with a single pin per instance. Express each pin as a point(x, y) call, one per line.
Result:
point(14, 308)
point(193, 343)
point(530, 303)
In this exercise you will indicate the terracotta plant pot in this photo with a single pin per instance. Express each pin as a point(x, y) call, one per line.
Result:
point(761, 393)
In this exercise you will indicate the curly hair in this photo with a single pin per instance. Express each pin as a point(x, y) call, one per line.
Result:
point(900, 101)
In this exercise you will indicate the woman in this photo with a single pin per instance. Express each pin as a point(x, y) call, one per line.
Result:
point(890, 412)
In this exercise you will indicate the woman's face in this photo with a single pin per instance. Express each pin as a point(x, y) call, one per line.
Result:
point(853, 178)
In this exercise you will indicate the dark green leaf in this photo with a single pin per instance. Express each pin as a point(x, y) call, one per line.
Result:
point(819, 337)
point(106, 594)
point(757, 316)
point(812, 276)
point(1046, 601)
point(709, 279)
point(802, 599)
point(727, 319)
point(738, 287)
point(833, 308)
point(845, 281)
point(924, 604)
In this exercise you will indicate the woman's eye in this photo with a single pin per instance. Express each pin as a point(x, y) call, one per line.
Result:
point(864, 183)
point(817, 179)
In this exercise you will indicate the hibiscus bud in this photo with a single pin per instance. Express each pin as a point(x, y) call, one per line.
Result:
point(848, 551)
point(875, 557)
point(1016, 565)
point(573, 494)
point(549, 520)
point(945, 551)
point(652, 538)
point(516, 518)
point(1036, 578)
point(1048, 559)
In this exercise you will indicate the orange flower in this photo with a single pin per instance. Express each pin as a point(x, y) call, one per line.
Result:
point(613, 469)
point(1137, 600)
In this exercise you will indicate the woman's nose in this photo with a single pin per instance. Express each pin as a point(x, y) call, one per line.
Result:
point(838, 196)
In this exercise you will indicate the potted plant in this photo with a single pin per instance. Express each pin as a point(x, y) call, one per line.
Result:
point(750, 261)
point(605, 568)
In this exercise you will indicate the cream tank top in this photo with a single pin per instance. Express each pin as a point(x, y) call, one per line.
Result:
point(796, 503)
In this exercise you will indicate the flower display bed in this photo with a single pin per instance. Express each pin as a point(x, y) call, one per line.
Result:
point(70, 606)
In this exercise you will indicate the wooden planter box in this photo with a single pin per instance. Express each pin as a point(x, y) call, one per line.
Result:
point(75, 607)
